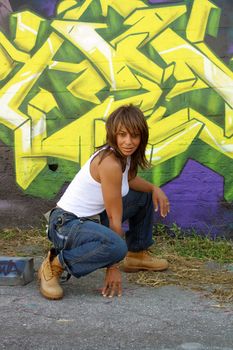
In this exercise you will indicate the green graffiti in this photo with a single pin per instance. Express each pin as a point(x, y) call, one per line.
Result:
point(60, 79)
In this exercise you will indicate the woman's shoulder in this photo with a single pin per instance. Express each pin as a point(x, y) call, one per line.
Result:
point(110, 160)
point(107, 166)
point(105, 157)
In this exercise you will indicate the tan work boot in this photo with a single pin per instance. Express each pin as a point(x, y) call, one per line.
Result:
point(48, 275)
point(136, 261)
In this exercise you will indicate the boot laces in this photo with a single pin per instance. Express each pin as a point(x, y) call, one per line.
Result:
point(49, 269)
point(53, 270)
point(147, 253)
point(56, 270)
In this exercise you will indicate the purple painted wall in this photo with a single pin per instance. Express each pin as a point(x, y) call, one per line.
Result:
point(197, 201)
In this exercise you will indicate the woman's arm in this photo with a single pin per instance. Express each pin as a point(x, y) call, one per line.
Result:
point(110, 174)
point(160, 200)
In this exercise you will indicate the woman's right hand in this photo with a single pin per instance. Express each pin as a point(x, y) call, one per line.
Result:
point(112, 283)
point(160, 201)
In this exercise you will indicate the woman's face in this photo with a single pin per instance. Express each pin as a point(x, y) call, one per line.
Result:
point(127, 143)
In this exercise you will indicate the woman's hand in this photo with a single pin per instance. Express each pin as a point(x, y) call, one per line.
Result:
point(160, 201)
point(112, 284)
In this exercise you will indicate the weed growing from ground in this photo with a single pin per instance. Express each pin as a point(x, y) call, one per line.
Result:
point(190, 244)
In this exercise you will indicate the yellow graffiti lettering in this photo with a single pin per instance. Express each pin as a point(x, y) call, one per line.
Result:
point(189, 60)
point(214, 135)
point(82, 88)
point(11, 97)
point(65, 5)
point(77, 12)
point(10, 52)
point(199, 18)
point(123, 8)
point(66, 143)
point(44, 101)
point(151, 21)
point(87, 85)
point(173, 135)
point(137, 60)
point(7, 64)
point(100, 133)
point(155, 116)
point(228, 121)
point(103, 56)
point(26, 31)
point(173, 140)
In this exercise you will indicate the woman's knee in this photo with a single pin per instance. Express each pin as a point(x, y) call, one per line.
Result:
point(118, 249)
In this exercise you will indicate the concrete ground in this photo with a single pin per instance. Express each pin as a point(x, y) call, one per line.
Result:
point(145, 318)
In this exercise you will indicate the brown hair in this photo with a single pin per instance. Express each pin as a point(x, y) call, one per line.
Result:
point(132, 118)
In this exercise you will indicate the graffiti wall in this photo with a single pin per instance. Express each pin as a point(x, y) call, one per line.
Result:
point(65, 65)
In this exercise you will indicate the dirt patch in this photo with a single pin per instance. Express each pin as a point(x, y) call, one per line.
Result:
point(213, 279)
point(17, 242)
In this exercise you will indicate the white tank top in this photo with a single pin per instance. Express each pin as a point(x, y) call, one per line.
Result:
point(83, 197)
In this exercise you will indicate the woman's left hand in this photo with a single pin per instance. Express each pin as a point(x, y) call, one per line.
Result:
point(160, 201)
